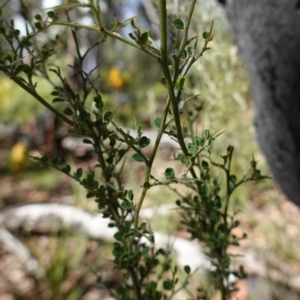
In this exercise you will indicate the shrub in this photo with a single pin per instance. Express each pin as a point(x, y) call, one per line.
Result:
point(148, 272)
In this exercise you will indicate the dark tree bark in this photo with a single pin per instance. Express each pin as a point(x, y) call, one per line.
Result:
point(267, 33)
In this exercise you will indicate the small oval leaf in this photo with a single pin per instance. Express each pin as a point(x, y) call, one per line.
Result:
point(177, 23)
point(58, 100)
point(79, 173)
point(169, 173)
point(108, 116)
point(126, 205)
point(138, 157)
point(205, 35)
point(187, 269)
point(144, 142)
point(144, 38)
point(68, 111)
point(168, 285)
point(157, 122)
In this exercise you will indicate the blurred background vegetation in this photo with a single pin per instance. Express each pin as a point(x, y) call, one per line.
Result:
point(130, 86)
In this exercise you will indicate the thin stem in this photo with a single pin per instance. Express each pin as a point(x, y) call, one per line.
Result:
point(183, 43)
point(97, 12)
point(228, 188)
point(149, 165)
point(186, 28)
point(135, 283)
point(106, 32)
point(165, 67)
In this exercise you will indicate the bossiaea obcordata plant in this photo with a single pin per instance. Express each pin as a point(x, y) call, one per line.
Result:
point(148, 271)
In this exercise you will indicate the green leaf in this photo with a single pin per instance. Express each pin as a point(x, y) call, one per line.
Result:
point(78, 173)
point(16, 32)
point(177, 92)
point(192, 149)
point(138, 157)
point(187, 269)
point(44, 159)
point(58, 100)
point(157, 122)
point(204, 189)
point(161, 251)
point(68, 111)
point(98, 98)
point(168, 285)
point(145, 252)
point(130, 195)
point(84, 116)
point(112, 141)
point(232, 178)
point(177, 23)
point(144, 38)
point(230, 149)
point(38, 25)
point(109, 169)
point(144, 142)
point(181, 82)
point(205, 35)
point(132, 23)
point(108, 116)
point(121, 194)
point(184, 54)
point(163, 81)
point(26, 69)
point(2, 30)
point(126, 205)
point(253, 164)
point(66, 169)
point(169, 173)
point(143, 226)
point(98, 101)
point(147, 185)
point(51, 15)
point(132, 36)
point(200, 141)
point(87, 141)
point(204, 164)
point(171, 68)
point(19, 69)
point(236, 223)
point(38, 17)
point(182, 158)
point(119, 236)
point(113, 135)
point(130, 140)
point(56, 161)
point(122, 152)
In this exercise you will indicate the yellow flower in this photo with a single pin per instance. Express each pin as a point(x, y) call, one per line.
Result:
point(115, 78)
point(17, 157)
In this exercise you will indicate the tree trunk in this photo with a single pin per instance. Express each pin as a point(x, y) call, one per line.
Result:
point(267, 33)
